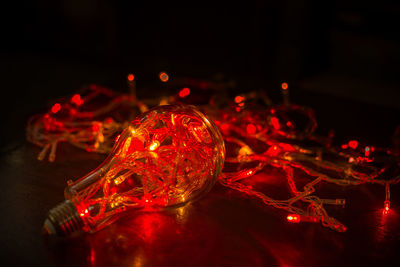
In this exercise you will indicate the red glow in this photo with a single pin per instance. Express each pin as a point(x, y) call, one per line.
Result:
point(184, 92)
point(351, 160)
point(131, 77)
point(293, 218)
point(77, 100)
point(56, 108)
point(288, 124)
point(367, 149)
point(275, 123)
point(345, 146)
point(251, 129)
point(353, 144)
point(386, 208)
point(164, 77)
point(225, 127)
point(96, 127)
point(284, 86)
point(239, 99)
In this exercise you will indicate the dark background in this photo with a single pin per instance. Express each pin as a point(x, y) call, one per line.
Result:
point(344, 48)
point(340, 57)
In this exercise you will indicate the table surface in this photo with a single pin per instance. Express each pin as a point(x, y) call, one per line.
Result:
point(223, 228)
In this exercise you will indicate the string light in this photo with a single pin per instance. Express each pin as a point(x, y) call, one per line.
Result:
point(93, 130)
point(270, 127)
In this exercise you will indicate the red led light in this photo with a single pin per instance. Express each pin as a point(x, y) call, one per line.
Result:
point(345, 146)
point(225, 127)
point(77, 100)
point(251, 129)
point(284, 86)
point(351, 160)
point(56, 108)
point(353, 144)
point(386, 206)
point(293, 218)
point(164, 77)
point(275, 123)
point(184, 92)
point(239, 99)
point(131, 77)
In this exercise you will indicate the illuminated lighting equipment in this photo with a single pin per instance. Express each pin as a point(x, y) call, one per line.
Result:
point(184, 92)
point(353, 144)
point(166, 157)
point(131, 77)
point(77, 100)
point(293, 218)
point(285, 93)
point(56, 108)
point(164, 77)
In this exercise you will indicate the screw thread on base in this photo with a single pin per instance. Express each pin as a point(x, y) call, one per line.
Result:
point(62, 220)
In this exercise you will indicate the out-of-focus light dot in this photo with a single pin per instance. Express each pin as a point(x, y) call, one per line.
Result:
point(251, 128)
point(293, 218)
point(351, 160)
point(96, 127)
point(56, 108)
point(131, 77)
point(154, 146)
point(239, 99)
point(184, 92)
point(288, 124)
point(353, 144)
point(164, 77)
point(275, 123)
point(224, 127)
point(345, 146)
point(77, 100)
point(284, 86)
point(241, 104)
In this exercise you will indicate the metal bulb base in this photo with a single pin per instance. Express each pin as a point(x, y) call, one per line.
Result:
point(62, 220)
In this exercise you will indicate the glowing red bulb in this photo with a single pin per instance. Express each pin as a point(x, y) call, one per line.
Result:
point(131, 77)
point(164, 77)
point(284, 86)
point(386, 208)
point(251, 129)
point(239, 99)
point(293, 218)
point(56, 108)
point(184, 92)
point(77, 100)
point(275, 123)
point(353, 144)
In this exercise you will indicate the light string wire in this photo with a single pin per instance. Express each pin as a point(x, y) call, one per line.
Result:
point(241, 124)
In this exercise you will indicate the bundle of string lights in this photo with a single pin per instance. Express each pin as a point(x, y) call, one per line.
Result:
point(259, 136)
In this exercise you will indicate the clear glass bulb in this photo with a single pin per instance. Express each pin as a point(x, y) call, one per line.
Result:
point(166, 157)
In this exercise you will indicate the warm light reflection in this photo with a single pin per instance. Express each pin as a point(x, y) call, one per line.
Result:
point(284, 86)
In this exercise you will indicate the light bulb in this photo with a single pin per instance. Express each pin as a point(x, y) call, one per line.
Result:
point(166, 157)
